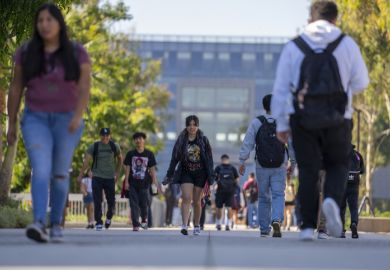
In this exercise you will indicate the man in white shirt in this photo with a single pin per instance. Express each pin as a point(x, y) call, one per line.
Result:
point(315, 144)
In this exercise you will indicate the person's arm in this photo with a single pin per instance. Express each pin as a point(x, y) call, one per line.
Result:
point(359, 73)
point(83, 189)
point(86, 162)
point(174, 161)
point(248, 144)
point(14, 99)
point(119, 162)
point(291, 157)
point(83, 85)
point(153, 174)
point(127, 173)
point(362, 166)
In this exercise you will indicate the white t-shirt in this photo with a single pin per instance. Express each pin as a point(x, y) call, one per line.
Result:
point(88, 183)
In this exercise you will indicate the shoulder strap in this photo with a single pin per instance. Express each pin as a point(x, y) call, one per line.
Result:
point(262, 119)
point(333, 45)
point(302, 45)
point(113, 147)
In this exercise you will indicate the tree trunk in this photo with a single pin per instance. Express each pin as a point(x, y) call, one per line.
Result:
point(369, 158)
point(6, 172)
point(2, 110)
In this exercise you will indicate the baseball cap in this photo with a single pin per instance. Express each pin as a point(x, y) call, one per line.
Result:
point(105, 131)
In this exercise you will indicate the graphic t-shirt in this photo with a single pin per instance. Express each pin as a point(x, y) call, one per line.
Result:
point(194, 163)
point(140, 163)
point(50, 92)
point(105, 161)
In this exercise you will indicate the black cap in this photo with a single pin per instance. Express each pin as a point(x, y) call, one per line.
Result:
point(105, 131)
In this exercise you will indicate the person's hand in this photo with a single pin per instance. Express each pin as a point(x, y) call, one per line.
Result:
point(85, 193)
point(241, 169)
point(116, 176)
point(166, 180)
point(283, 136)
point(127, 186)
point(74, 124)
point(11, 135)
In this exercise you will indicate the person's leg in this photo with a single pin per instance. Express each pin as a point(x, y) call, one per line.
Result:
point(250, 214)
point(170, 201)
point(197, 197)
point(186, 195)
point(289, 211)
point(308, 154)
point(144, 205)
point(97, 190)
point(343, 208)
point(278, 185)
point(90, 213)
point(353, 198)
point(38, 141)
point(263, 180)
point(63, 149)
point(203, 216)
point(134, 205)
point(109, 191)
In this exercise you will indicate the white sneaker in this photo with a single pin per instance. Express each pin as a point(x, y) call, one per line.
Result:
point(332, 216)
point(196, 230)
point(322, 235)
point(307, 234)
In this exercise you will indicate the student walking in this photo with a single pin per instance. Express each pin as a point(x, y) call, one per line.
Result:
point(271, 169)
point(86, 190)
point(140, 167)
point(226, 179)
point(317, 74)
point(192, 166)
point(106, 160)
point(56, 75)
point(251, 196)
point(351, 195)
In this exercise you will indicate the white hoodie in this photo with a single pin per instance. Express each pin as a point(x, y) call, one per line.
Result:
point(317, 35)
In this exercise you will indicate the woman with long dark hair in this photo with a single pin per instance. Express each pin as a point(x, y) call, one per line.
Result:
point(56, 75)
point(191, 166)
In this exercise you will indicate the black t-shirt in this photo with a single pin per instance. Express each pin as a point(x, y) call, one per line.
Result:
point(194, 163)
point(140, 163)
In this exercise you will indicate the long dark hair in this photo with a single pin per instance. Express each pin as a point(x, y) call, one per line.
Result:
point(33, 63)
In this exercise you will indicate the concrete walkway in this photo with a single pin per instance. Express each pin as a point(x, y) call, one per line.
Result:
point(120, 248)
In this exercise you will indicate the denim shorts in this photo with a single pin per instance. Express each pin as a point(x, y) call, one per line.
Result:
point(88, 199)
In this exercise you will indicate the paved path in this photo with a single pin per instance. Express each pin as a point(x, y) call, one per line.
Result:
point(120, 248)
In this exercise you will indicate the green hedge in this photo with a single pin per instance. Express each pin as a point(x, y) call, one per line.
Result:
point(13, 216)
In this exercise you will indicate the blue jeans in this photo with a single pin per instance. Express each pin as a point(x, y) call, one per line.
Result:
point(252, 213)
point(272, 183)
point(50, 148)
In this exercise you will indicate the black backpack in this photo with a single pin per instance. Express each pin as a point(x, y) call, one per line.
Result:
point(96, 151)
point(270, 152)
point(320, 100)
point(226, 181)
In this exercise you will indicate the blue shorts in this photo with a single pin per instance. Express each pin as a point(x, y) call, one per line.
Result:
point(88, 199)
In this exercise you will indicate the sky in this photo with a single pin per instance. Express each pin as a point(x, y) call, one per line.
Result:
point(274, 18)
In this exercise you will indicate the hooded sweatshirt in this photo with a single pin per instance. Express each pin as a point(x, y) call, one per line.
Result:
point(353, 71)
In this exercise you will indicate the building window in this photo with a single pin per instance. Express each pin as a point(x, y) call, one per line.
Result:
point(224, 56)
point(268, 57)
point(171, 136)
point(184, 55)
point(248, 57)
point(208, 56)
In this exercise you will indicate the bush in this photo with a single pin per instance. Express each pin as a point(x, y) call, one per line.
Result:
point(13, 216)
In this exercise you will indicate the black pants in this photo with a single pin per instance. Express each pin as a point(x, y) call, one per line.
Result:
point(203, 216)
point(139, 204)
point(98, 185)
point(170, 201)
point(351, 196)
point(315, 149)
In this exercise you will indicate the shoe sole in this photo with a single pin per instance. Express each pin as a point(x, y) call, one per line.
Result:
point(332, 216)
point(276, 230)
point(35, 234)
point(184, 232)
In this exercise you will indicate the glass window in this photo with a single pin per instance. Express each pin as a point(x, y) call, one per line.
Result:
point(220, 137)
point(183, 55)
point(224, 56)
point(188, 97)
point(232, 137)
point(198, 97)
point(248, 56)
point(171, 136)
point(232, 98)
point(208, 56)
point(268, 57)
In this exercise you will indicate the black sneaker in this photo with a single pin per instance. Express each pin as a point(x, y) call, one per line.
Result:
point(37, 232)
point(355, 234)
point(218, 227)
point(227, 228)
point(184, 231)
point(264, 234)
point(276, 229)
point(342, 234)
point(107, 224)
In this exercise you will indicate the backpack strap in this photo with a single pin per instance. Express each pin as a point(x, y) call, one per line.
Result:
point(262, 119)
point(302, 45)
point(333, 45)
point(113, 147)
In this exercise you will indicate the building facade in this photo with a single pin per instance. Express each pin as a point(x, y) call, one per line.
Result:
point(221, 80)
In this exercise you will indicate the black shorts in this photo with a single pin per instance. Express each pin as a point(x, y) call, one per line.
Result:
point(196, 178)
point(224, 198)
